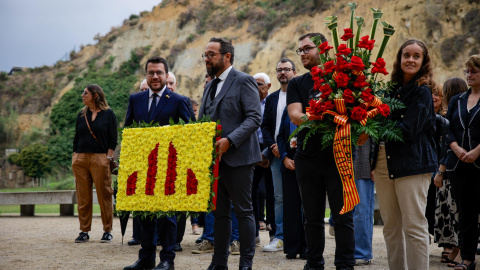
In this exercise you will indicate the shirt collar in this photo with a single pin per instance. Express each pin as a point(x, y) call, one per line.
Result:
point(224, 75)
point(150, 92)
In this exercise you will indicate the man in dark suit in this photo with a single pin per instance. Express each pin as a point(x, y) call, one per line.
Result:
point(157, 104)
point(232, 97)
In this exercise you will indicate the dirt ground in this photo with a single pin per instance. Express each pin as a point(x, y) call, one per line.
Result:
point(47, 242)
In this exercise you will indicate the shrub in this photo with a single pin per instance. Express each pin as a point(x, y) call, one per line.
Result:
point(133, 17)
point(3, 76)
point(14, 159)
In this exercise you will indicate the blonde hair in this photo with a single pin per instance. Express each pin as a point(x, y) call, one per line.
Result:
point(100, 102)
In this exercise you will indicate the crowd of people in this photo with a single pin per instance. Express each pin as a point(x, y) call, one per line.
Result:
point(426, 185)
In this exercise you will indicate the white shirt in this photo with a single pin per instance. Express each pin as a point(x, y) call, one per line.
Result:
point(222, 78)
point(282, 102)
point(150, 96)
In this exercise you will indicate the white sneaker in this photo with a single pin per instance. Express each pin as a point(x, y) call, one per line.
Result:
point(275, 245)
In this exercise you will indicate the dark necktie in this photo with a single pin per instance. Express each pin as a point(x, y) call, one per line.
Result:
point(153, 106)
point(213, 88)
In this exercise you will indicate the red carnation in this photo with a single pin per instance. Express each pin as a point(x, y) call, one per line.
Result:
point(358, 113)
point(317, 82)
point(342, 79)
point(348, 96)
point(366, 95)
point(365, 43)
point(379, 67)
point(329, 66)
point(384, 109)
point(314, 107)
point(343, 50)
point(348, 34)
point(360, 82)
point(341, 64)
point(324, 47)
point(326, 91)
point(316, 71)
point(356, 63)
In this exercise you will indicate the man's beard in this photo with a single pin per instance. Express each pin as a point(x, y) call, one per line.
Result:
point(213, 70)
point(283, 80)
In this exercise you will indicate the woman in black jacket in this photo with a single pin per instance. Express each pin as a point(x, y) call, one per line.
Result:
point(93, 146)
point(462, 161)
point(403, 169)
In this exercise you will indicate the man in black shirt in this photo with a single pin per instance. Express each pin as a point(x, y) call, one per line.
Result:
point(317, 172)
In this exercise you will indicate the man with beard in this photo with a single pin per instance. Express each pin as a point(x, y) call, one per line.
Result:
point(274, 107)
point(317, 173)
point(232, 98)
point(156, 105)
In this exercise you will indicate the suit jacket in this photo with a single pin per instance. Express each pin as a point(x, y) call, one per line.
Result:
point(286, 128)
point(190, 108)
point(461, 127)
point(269, 121)
point(171, 105)
point(237, 106)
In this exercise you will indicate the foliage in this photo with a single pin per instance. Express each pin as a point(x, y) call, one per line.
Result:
point(133, 17)
point(34, 160)
point(3, 76)
point(14, 159)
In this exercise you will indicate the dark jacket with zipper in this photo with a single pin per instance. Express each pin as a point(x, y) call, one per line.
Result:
point(416, 154)
point(462, 127)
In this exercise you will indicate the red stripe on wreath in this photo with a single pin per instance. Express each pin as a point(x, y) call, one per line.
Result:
point(192, 182)
point(132, 184)
point(171, 170)
point(152, 171)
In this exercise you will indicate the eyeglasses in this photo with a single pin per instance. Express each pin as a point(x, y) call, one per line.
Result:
point(281, 70)
point(152, 73)
point(471, 72)
point(210, 55)
point(260, 83)
point(304, 50)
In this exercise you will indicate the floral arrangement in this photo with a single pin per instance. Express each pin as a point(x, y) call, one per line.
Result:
point(167, 169)
point(349, 101)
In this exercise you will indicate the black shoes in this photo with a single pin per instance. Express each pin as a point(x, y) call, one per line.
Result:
point(133, 242)
point(106, 238)
point(82, 238)
point(177, 247)
point(217, 267)
point(165, 266)
point(140, 265)
point(199, 240)
point(244, 268)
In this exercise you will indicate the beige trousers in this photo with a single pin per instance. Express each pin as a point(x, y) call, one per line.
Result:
point(90, 168)
point(402, 207)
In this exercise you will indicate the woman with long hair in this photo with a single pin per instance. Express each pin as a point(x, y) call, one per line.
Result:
point(462, 163)
point(446, 212)
point(403, 169)
point(93, 147)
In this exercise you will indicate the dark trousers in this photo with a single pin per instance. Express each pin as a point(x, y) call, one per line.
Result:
point(316, 179)
point(181, 224)
point(293, 231)
point(137, 229)
point(259, 173)
point(234, 188)
point(431, 205)
point(167, 227)
point(465, 183)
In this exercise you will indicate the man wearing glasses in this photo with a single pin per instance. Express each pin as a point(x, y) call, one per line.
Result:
point(157, 104)
point(232, 98)
point(317, 173)
point(274, 106)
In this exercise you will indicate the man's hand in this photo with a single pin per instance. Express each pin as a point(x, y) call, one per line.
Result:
point(289, 163)
point(222, 147)
point(275, 150)
point(264, 163)
point(362, 139)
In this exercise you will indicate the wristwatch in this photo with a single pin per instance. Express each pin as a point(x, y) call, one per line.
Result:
point(230, 142)
point(440, 173)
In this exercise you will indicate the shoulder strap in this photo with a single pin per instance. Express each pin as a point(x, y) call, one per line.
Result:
point(91, 132)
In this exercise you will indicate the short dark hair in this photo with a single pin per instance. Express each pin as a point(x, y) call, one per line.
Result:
point(157, 60)
point(285, 60)
point(225, 47)
point(310, 35)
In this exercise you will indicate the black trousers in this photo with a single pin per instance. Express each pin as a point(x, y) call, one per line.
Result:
point(316, 179)
point(293, 231)
point(465, 181)
point(266, 174)
point(234, 188)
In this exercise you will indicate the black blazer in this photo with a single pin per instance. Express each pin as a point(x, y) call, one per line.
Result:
point(269, 120)
point(457, 115)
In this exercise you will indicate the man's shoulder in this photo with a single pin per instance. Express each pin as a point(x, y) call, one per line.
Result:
point(272, 96)
point(239, 74)
point(139, 94)
point(303, 77)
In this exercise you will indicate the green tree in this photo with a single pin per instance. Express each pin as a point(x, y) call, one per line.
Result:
point(34, 160)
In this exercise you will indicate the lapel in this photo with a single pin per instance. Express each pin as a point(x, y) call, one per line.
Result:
point(144, 100)
point(206, 93)
point(225, 88)
point(462, 108)
point(163, 102)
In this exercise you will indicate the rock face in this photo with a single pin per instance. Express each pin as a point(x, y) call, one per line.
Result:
point(262, 34)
